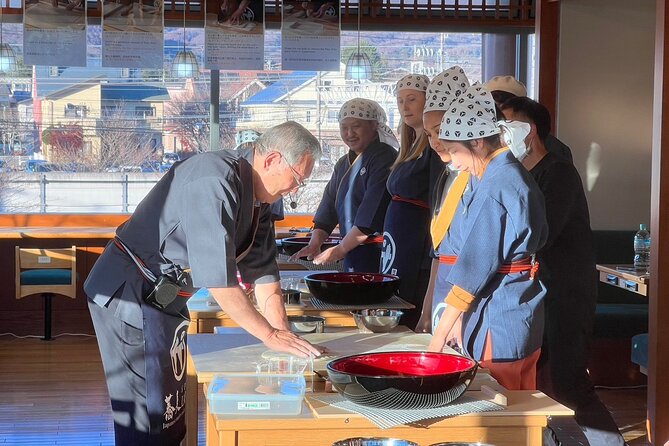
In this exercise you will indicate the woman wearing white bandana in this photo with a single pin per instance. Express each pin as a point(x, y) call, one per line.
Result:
point(406, 240)
point(355, 198)
point(487, 271)
point(446, 87)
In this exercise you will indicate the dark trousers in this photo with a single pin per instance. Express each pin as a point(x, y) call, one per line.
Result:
point(562, 371)
point(122, 348)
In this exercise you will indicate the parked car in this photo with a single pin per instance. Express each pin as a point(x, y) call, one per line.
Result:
point(32, 165)
point(171, 158)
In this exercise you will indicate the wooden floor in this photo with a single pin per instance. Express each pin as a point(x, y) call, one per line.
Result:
point(53, 393)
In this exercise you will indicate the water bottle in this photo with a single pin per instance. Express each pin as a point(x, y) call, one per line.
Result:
point(642, 248)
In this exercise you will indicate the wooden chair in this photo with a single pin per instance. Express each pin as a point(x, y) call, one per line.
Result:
point(46, 272)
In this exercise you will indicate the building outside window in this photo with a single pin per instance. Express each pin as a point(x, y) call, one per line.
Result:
point(117, 120)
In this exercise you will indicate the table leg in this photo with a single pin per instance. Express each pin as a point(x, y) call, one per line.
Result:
point(535, 436)
point(191, 402)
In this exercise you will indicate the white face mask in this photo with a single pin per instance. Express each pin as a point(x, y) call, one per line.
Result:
point(514, 134)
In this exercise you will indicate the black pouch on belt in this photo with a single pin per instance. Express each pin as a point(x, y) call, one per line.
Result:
point(169, 295)
point(165, 291)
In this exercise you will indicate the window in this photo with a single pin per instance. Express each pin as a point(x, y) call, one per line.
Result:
point(143, 111)
point(333, 116)
point(119, 119)
point(75, 111)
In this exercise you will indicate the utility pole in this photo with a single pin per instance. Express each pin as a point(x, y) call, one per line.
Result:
point(318, 105)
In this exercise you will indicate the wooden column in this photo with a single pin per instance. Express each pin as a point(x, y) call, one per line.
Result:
point(658, 324)
point(547, 47)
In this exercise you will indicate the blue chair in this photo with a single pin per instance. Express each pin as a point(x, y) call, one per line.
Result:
point(46, 272)
point(640, 351)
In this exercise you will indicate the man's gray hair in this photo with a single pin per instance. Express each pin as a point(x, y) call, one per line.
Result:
point(290, 139)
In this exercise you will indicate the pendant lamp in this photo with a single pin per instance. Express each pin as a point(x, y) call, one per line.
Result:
point(7, 55)
point(185, 63)
point(358, 66)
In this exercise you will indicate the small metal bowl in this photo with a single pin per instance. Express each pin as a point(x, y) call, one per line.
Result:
point(306, 324)
point(359, 441)
point(376, 321)
point(290, 297)
point(461, 443)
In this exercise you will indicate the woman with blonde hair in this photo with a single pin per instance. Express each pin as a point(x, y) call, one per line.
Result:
point(406, 238)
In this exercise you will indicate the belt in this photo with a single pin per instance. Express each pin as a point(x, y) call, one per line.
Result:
point(143, 270)
point(373, 239)
point(519, 266)
point(419, 203)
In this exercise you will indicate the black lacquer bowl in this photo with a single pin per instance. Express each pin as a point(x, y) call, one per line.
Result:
point(402, 380)
point(352, 288)
point(291, 245)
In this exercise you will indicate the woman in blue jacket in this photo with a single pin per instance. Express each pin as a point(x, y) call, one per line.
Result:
point(487, 271)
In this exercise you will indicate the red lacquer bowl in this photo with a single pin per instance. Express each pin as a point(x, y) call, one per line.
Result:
point(352, 288)
point(402, 380)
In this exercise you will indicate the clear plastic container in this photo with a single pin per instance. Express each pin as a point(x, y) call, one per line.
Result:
point(257, 394)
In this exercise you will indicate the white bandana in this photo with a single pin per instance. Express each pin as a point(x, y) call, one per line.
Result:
point(412, 82)
point(369, 110)
point(245, 136)
point(472, 116)
point(446, 87)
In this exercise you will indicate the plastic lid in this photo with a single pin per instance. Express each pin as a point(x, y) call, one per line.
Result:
point(292, 388)
point(642, 227)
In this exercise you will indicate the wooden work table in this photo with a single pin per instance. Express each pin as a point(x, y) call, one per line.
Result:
point(520, 423)
point(204, 317)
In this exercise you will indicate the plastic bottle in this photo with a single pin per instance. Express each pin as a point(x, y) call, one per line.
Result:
point(642, 248)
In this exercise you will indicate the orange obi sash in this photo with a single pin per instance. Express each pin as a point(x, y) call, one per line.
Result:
point(519, 266)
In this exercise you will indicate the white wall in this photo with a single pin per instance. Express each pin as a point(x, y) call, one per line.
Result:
point(605, 102)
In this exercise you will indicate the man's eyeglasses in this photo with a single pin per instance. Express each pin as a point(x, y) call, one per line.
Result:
point(300, 183)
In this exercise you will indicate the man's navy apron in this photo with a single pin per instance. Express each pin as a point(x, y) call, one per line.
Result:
point(405, 252)
point(165, 372)
point(365, 257)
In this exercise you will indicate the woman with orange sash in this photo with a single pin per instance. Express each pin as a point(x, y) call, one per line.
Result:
point(487, 271)
point(446, 87)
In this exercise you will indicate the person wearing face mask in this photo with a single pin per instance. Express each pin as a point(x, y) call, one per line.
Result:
point(406, 242)
point(356, 198)
point(504, 88)
point(568, 270)
point(441, 91)
point(487, 269)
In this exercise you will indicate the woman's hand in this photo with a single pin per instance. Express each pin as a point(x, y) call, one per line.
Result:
point(321, 11)
point(310, 252)
point(313, 249)
point(330, 255)
point(236, 17)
